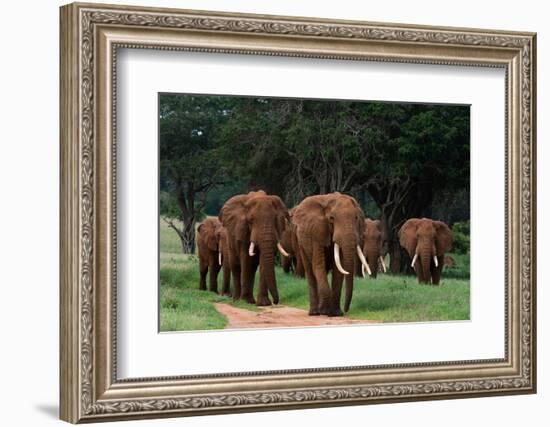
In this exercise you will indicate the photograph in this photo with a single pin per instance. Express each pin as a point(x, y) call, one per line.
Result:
point(289, 212)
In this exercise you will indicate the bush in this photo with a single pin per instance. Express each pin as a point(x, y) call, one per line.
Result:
point(461, 237)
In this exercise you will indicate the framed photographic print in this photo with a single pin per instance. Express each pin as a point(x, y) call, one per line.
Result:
point(265, 212)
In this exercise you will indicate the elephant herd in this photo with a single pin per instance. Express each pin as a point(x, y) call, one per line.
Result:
point(322, 234)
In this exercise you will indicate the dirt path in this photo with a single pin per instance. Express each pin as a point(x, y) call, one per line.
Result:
point(278, 316)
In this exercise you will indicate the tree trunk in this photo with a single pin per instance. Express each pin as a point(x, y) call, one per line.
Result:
point(187, 238)
point(399, 199)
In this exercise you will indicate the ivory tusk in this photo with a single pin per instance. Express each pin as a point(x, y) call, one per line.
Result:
point(435, 261)
point(281, 249)
point(414, 260)
point(251, 249)
point(363, 260)
point(220, 258)
point(383, 263)
point(363, 271)
point(337, 259)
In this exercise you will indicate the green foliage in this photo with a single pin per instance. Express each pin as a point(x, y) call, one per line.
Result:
point(168, 206)
point(461, 267)
point(461, 237)
point(398, 160)
point(188, 149)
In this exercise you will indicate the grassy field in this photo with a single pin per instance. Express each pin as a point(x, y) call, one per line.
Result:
point(389, 298)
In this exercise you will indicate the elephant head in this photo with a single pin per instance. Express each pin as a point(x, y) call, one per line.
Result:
point(209, 233)
point(336, 222)
point(372, 246)
point(258, 221)
point(426, 242)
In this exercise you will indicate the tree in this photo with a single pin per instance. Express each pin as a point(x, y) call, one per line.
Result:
point(190, 162)
point(396, 159)
point(424, 149)
point(295, 148)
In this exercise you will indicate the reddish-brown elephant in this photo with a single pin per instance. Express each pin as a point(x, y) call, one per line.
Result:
point(330, 231)
point(255, 223)
point(286, 242)
point(207, 244)
point(372, 247)
point(223, 259)
point(426, 242)
point(289, 242)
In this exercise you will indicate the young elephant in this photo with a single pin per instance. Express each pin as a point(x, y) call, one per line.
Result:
point(207, 243)
point(255, 223)
point(372, 248)
point(426, 242)
point(330, 231)
point(289, 242)
point(223, 259)
point(286, 242)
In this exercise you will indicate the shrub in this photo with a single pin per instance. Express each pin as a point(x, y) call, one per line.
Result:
point(461, 237)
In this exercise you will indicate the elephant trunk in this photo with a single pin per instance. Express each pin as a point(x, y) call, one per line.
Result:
point(425, 261)
point(267, 267)
point(372, 260)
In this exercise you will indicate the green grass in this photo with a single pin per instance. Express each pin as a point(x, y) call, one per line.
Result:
point(169, 240)
point(183, 306)
point(461, 269)
point(389, 298)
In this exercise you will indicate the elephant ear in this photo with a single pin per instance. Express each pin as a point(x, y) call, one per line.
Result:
point(233, 217)
point(378, 224)
point(311, 219)
point(407, 235)
point(444, 238)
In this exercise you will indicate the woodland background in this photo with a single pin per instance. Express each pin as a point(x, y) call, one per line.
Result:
point(399, 160)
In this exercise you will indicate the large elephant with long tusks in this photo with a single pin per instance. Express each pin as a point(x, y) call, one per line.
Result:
point(330, 231)
point(255, 223)
point(426, 242)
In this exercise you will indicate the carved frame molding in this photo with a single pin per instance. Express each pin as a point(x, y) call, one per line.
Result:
point(90, 36)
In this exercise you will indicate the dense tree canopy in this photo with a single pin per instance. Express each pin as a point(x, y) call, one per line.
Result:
point(399, 160)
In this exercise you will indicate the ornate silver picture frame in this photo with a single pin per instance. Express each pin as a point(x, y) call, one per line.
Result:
point(90, 37)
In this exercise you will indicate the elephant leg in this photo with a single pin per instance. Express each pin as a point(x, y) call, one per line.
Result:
point(226, 279)
point(436, 271)
point(299, 270)
point(247, 276)
point(337, 280)
point(236, 274)
point(312, 286)
point(203, 270)
point(214, 268)
point(320, 272)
